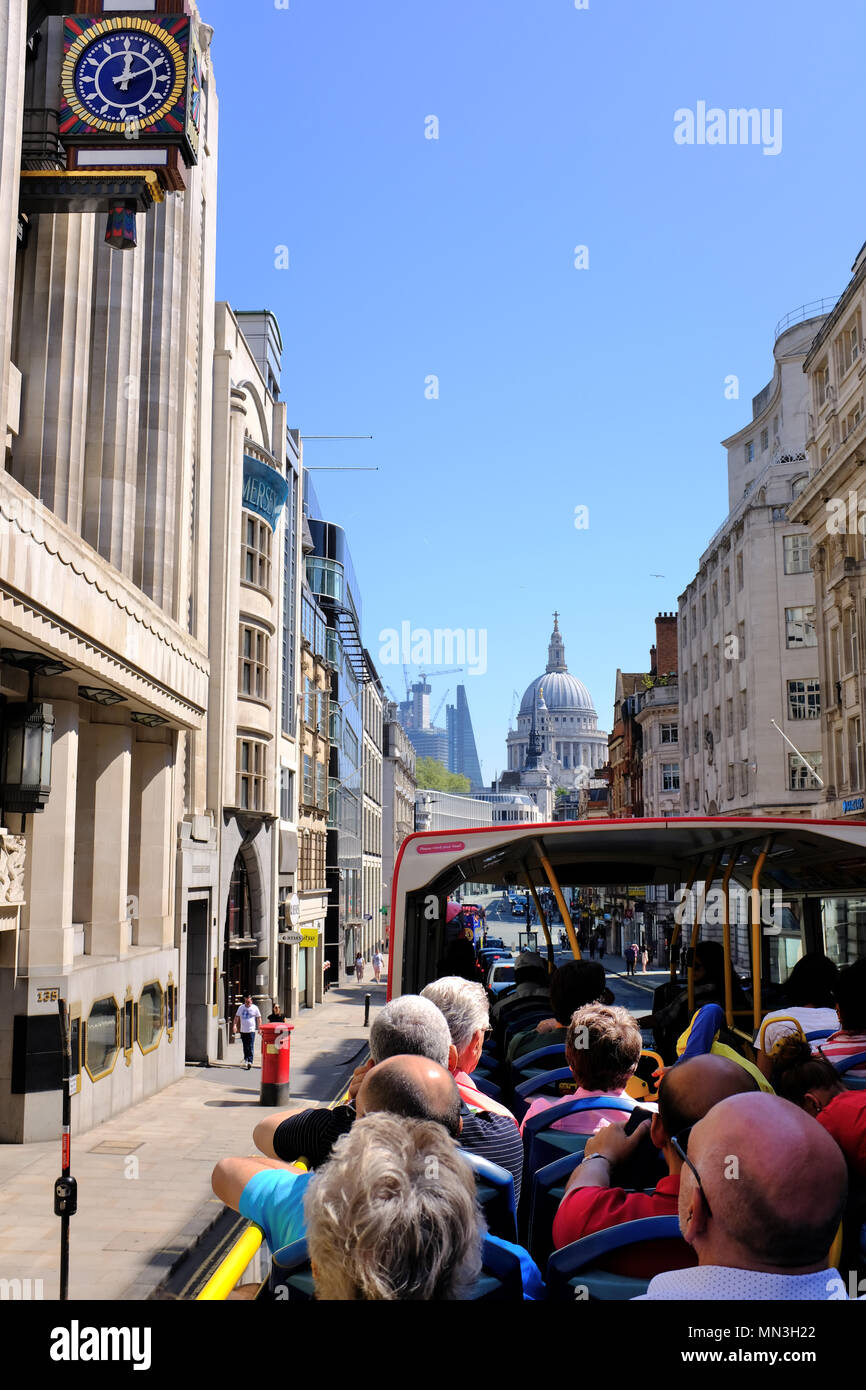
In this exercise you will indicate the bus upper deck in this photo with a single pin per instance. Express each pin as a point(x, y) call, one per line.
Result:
point(813, 864)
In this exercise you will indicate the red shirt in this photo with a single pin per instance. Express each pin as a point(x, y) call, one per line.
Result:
point(845, 1118)
point(585, 1210)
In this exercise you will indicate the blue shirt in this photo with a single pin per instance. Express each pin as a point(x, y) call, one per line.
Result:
point(274, 1200)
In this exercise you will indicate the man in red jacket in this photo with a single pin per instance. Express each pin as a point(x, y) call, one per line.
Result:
point(593, 1203)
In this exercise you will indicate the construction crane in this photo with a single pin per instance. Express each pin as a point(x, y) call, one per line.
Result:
point(435, 716)
point(450, 671)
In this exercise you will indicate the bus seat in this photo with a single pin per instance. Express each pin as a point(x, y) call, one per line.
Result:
point(542, 1144)
point(486, 1086)
point(500, 1280)
point(494, 1188)
point(523, 1022)
point(818, 1034)
point(559, 1083)
point(536, 1061)
point(642, 1085)
point(572, 1268)
point(846, 1064)
point(547, 1191)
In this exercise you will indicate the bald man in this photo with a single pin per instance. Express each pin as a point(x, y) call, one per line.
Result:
point(593, 1202)
point(413, 1087)
point(761, 1197)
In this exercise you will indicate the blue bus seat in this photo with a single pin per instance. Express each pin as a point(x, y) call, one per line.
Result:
point(559, 1082)
point(541, 1144)
point(500, 1280)
point(547, 1189)
point(523, 1023)
point(486, 1086)
point(846, 1064)
point(818, 1034)
point(494, 1188)
point(571, 1270)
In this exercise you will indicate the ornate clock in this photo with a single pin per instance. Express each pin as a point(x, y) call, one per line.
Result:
point(130, 84)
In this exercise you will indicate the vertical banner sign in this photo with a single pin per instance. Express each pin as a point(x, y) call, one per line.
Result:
point(265, 490)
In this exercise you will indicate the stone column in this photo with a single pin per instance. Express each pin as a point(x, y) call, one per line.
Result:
point(52, 350)
point(102, 838)
point(47, 935)
point(111, 448)
point(13, 34)
point(153, 850)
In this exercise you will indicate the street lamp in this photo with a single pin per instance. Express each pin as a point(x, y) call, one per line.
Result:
point(25, 757)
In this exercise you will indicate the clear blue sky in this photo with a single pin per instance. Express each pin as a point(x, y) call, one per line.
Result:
point(411, 257)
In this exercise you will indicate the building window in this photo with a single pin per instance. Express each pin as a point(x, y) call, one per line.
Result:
point(855, 754)
point(765, 440)
point(730, 781)
point(855, 654)
point(256, 552)
point(729, 718)
point(694, 620)
point(797, 486)
point(287, 794)
point(822, 381)
point(685, 687)
point(715, 599)
point(744, 779)
point(686, 795)
point(741, 641)
point(705, 672)
point(716, 663)
point(739, 565)
point(150, 1016)
point(686, 739)
point(253, 660)
point(800, 627)
point(726, 584)
point(744, 711)
point(670, 777)
point(309, 784)
point(321, 787)
point(251, 777)
point(796, 554)
point(749, 451)
point(717, 724)
point(669, 733)
point(801, 777)
point(804, 699)
point(102, 1042)
point(703, 610)
point(684, 628)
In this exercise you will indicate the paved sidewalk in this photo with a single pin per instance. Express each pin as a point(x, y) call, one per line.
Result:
point(144, 1194)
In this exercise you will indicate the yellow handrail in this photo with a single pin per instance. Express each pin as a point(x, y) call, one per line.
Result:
point(230, 1269)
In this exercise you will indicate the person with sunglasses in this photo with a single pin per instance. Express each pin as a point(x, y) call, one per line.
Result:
point(762, 1191)
point(596, 1196)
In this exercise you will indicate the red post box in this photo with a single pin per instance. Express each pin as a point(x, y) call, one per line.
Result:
point(276, 1051)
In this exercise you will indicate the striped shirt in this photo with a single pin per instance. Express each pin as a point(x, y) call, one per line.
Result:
point(841, 1045)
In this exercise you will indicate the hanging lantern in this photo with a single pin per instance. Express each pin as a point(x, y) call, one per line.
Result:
point(25, 757)
point(120, 227)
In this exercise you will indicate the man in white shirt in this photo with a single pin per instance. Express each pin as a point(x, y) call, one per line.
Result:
point(762, 1191)
point(248, 1022)
point(377, 963)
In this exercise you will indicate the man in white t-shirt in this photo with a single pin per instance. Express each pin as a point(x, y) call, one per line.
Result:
point(248, 1022)
point(377, 964)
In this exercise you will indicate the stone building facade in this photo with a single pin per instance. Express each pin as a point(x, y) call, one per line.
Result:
point(105, 396)
point(658, 719)
point(832, 504)
point(748, 652)
point(398, 797)
point(372, 706)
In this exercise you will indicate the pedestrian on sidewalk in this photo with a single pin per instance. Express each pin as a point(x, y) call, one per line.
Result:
point(276, 1015)
point(248, 1022)
point(377, 963)
point(644, 958)
point(359, 967)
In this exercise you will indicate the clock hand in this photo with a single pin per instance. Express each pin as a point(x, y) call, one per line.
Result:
point(126, 77)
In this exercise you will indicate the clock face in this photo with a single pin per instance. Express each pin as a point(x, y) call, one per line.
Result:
point(114, 75)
